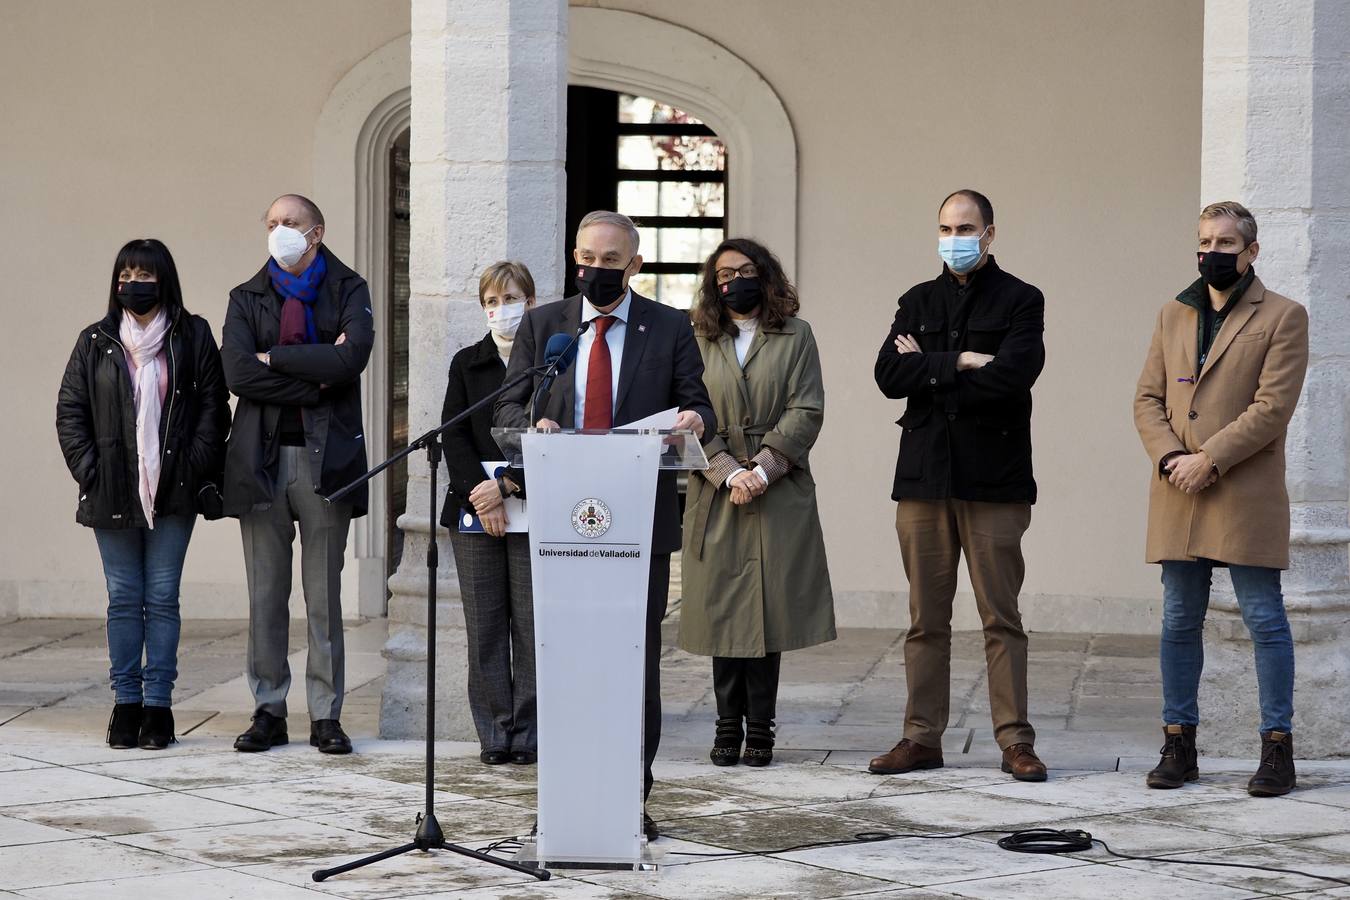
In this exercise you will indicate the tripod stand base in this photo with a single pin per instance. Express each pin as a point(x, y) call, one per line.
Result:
point(430, 837)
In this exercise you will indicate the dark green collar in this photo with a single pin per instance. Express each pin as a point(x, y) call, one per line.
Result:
point(1196, 295)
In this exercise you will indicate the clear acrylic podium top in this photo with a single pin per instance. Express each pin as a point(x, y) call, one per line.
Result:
point(681, 450)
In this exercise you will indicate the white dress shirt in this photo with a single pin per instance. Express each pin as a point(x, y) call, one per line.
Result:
point(614, 338)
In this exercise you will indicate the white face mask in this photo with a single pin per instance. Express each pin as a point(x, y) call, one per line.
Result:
point(287, 245)
point(505, 319)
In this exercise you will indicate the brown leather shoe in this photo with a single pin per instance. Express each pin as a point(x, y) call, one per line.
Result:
point(906, 756)
point(1022, 763)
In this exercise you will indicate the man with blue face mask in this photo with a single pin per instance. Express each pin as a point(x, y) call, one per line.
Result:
point(297, 336)
point(964, 351)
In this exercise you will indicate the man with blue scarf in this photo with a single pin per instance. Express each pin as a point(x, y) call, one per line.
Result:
point(297, 337)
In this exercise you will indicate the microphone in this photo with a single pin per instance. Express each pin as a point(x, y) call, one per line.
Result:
point(559, 354)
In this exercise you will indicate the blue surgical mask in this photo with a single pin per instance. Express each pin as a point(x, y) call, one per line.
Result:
point(961, 253)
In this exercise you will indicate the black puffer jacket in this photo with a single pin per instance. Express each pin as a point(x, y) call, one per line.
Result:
point(96, 423)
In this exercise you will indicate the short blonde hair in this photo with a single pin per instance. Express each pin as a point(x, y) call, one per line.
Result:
point(606, 217)
point(1246, 222)
point(496, 276)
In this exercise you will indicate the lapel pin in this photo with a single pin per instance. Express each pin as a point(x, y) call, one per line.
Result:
point(642, 328)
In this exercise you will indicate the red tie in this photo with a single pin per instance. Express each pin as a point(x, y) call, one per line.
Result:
point(599, 412)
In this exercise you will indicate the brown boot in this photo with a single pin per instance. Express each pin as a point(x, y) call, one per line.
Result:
point(906, 756)
point(1022, 763)
point(1275, 776)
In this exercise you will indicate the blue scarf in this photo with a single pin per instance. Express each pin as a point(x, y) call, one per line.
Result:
point(298, 291)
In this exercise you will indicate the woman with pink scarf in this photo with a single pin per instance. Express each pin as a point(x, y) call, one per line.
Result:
point(142, 416)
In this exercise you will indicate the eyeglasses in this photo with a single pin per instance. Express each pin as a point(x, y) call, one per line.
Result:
point(746, 271)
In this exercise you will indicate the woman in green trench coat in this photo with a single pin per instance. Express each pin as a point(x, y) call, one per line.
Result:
point(754, 571)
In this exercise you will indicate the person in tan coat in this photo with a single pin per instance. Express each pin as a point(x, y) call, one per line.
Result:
point(1219, 386)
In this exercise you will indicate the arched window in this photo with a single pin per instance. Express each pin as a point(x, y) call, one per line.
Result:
point(658, 165)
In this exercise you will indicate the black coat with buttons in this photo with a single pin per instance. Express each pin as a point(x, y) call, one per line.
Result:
point(96, 424)
point(966, 435)
point(323, 379)
point(475, 371)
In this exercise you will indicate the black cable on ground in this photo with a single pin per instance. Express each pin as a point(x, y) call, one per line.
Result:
point(1033, 840)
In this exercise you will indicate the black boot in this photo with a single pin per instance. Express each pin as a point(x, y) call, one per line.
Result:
point(124, 726)
point(726, 749)
point(1275, 776)
point(157, 728)
point(1178, 764)
point(758, 742)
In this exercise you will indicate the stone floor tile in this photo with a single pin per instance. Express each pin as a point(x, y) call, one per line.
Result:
point(950, 812)
point(461, 821)
point(767, 830)
point(783, 785)
point(1331, 794)
point(15, 831)
point(70, 862)
point(557, 886)
point(205, 883)
point(54, 784)
point(736, 879)
point(163, 811)
point(1282, 818)
point(1106, 791)
point(328, 793)
point(922, 862)
point(1289, 855)
point(250, 843)
point(214, 766)
point(39, 725)
point(11, 763)
point(1081, 882)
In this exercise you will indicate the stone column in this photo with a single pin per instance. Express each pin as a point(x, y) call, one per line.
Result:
point(489, 82)
point(1276, 137)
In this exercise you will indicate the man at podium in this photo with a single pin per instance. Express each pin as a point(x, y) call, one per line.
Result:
point(635, 358)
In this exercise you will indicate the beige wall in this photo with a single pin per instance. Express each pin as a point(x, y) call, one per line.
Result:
point(132, 119)
point(1081, 120)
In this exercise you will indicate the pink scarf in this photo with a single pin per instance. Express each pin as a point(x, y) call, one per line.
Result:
point(143, 346)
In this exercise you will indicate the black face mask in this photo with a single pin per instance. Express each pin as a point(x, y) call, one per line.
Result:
point(1218, 269)
point(138, 296)
point(741, 294)
point(601, 286)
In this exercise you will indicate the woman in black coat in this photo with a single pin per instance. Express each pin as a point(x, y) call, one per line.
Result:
point(141, 417)
point(494, 565)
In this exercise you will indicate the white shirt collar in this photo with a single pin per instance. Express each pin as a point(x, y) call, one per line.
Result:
point(620, 312)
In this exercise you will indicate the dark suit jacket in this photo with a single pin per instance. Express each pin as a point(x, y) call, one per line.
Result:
point(661, 368)
point(475, 372)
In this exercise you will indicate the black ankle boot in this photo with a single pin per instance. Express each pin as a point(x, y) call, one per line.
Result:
point(1275, 776)
point(124, 726)
point(758, 742)
point(726, 749)
point(1179, 763)
point(157, 728)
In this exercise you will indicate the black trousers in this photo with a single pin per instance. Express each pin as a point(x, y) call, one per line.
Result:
point(658, 595)
point(746, 686)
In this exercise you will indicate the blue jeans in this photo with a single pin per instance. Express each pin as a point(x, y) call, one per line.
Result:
point(143, 568)
point(1182, 651)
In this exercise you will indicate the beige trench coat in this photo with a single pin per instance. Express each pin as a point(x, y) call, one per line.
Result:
point(755, 578)
point(1237, 411)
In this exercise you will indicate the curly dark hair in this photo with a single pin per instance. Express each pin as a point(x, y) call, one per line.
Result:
point(710, 314)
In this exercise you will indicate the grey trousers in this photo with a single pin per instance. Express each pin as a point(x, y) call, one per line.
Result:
point(268, 538)
point(498, 600)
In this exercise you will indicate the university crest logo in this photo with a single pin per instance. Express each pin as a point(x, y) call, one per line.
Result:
point(590, 518)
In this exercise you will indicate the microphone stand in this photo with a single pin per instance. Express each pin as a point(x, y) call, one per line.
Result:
point(429, 835)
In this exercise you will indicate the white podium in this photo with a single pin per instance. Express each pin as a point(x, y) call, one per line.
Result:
point(591, 501)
